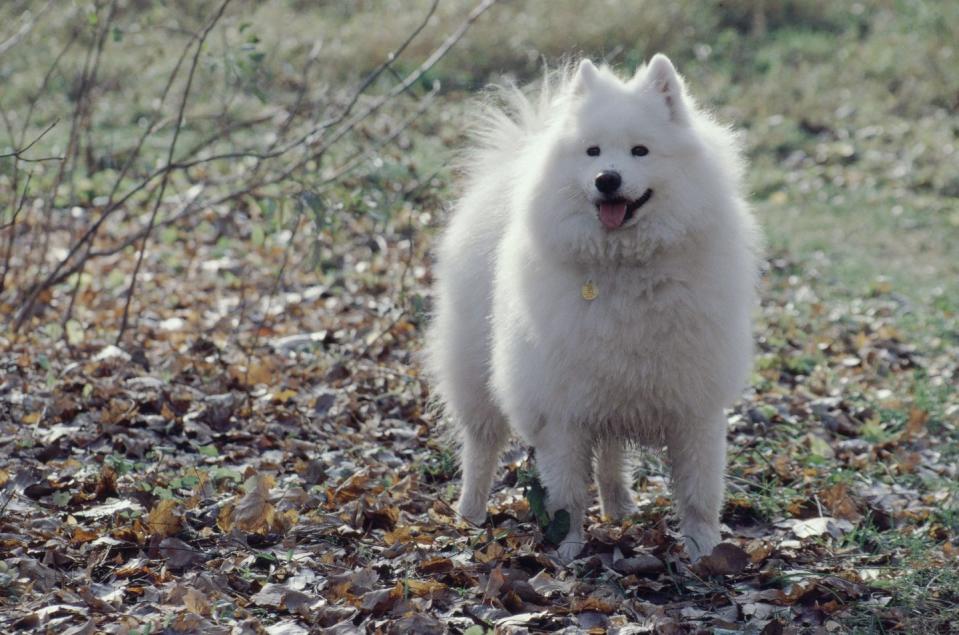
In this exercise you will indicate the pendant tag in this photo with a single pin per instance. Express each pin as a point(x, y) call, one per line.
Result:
point(589, 291)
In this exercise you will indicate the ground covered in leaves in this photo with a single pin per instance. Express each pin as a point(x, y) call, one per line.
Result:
point(279, 472)
point(257, 452)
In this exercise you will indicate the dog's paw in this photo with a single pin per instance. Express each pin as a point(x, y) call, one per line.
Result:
point(570, 548)
point(472, 513)
point(620, 508)
point(700, 541)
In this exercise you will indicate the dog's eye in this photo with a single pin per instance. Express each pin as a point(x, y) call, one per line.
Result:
point(593, 151)
point(640, 151)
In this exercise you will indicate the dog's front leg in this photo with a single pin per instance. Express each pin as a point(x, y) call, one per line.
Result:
point(563, 461)
point(697, 451)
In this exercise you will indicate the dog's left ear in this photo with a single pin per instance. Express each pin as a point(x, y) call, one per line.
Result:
point(586, 78)
point(661, 77)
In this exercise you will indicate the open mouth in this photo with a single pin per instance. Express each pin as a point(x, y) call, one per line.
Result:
point(616, 212)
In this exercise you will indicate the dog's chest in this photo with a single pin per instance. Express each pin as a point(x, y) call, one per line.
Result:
point(619, 339)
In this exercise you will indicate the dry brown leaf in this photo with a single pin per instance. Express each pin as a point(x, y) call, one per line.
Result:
point(592, 603)
point(196, 602)
point(435, 565)
point(384, 517)
point(639, 564)
point(136, 566)
point(378, 602)
point(280, 596)
point(400, 534)
point(840, 503)
point(759, 550)
point(82, 535)
point(907, 461)
point(725, 559)
point(165, 518)
point(349, 490)
point(106, 484)
point(423, 588)
point(261, 371)
point(180, 555)
point(494, 584)
point(916, 425)
point(253, 512)
point(224, 519)
point(494, 551)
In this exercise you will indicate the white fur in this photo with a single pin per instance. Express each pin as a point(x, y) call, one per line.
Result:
point(667, 343)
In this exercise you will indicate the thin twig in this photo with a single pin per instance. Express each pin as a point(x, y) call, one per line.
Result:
point(378, 103)
point(300, 212)
point(24, 29)
point(12, 226)
point(19, 152)
point(62, 274)
point(35, 98)
point(57, 275)
point(91, 66)
point(351, 103)
point(159, 178)
point(351, 163)
point(166, 175)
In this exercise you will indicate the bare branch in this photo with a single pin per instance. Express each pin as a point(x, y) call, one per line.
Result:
point(12, 226)
point(387, 63)
point(351, 103)
point(88, 76)
point(24, 29)
point(402, 87)
point(169, 160)
point(298, 138)
point(19, 152)
point(57, 275)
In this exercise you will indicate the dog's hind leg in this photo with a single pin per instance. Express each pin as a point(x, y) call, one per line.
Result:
point(458, 348)
point(612, 472)
point(482, 442)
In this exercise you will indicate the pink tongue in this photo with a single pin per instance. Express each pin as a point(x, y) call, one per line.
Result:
point(612, 214)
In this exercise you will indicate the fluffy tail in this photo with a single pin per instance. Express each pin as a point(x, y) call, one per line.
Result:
point(508, 117)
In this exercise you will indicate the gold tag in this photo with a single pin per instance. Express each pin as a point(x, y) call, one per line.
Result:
point(589, 291)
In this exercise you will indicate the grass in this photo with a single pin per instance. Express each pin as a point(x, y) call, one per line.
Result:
point(845, 107)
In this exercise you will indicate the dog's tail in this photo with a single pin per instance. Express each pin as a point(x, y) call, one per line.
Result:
point(501, 124)
point(508, 117)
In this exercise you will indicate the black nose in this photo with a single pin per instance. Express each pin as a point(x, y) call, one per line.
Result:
point(608, 182)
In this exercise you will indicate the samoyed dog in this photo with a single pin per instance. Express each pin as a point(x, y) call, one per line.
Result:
point(593, 291)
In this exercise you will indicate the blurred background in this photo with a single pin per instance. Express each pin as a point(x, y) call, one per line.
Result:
point(848, 109)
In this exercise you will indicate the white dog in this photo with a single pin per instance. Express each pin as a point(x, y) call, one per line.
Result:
point(594, 290)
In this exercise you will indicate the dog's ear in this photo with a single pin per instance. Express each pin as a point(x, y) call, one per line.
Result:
point(587, 76)
point(661, 77)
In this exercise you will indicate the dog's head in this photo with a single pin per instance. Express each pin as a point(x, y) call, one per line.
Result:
point(627, 164)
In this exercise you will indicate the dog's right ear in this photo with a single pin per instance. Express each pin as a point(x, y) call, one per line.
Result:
point(587, 75)
point(661, 77)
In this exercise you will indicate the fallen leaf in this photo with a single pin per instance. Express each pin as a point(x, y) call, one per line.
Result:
point(178, 554)
point(422, 588)
point(817, 526)
point(639, 564)
point(196, 602)
point(253, 512)
point(165, 518)
point(725, 559)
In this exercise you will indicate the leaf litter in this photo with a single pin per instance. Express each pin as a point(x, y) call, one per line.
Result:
point(284, 476)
